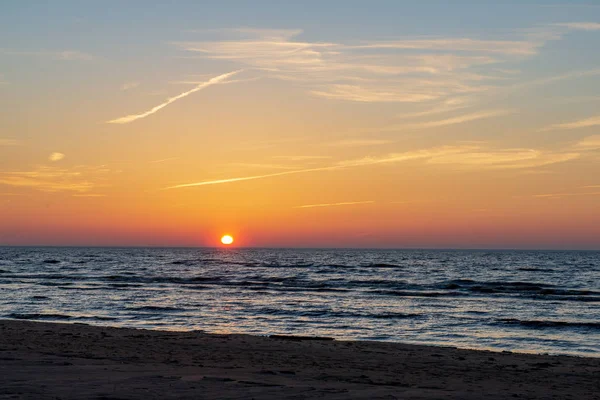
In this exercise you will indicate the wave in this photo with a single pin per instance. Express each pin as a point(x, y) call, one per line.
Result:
point(335, 314)
point(55, 317)
point(548, 323)
point(515, 287)
point(418, 293)
point(185, 262)
point(37, 316)
point(155, 308)
point(307, 283)
point(535, 269)
point(382, 265)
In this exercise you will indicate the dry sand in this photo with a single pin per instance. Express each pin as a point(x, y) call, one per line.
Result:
point(73, 361)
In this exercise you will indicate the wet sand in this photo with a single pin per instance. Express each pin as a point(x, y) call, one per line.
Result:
point(73, 361)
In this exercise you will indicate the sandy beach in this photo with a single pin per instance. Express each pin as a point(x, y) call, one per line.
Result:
point(75, 361)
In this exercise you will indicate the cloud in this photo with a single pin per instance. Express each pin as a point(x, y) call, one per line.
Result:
point(420, 69)
point(583, 123)
point(228, 82)
point(301, 158)
point(249, 33)
point(203, 85)
point(262, 165)
point(446, 107)
point(9, 142)
point(460, 119)
point(508, 47)
point(428, 71)
point(582, 26)
point(249, 178)
point(359, 142)
point(129, 85)
point(163, 160)
point(345, 203)
point(504, 159)
point(53, 179)
point(402, 157)
point(89, 195)
point(370, 94)
point(557, 78)
point(589, 143)
point(462, 156)
point(551, 195)
point(56, 157)
point(73, 55)
point(66, 55)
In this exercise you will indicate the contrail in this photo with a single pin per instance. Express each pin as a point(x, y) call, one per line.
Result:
point(390, 158)
point(345, 203)
point(249, 178)
point(210, 82)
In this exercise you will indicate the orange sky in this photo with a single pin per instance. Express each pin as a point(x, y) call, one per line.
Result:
point(430, 137)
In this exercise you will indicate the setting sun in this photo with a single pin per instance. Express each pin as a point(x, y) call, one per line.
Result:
point(227, 239)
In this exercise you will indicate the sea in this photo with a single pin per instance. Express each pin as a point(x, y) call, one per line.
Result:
point(521, 301)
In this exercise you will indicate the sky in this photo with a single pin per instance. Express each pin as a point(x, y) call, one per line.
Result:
point(380, 124)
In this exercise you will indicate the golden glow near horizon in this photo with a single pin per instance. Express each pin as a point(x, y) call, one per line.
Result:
point(227, 239)
point(394, 126)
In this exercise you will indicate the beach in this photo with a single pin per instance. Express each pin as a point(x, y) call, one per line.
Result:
point(40, 360)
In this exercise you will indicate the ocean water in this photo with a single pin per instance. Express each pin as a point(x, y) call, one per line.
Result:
point(529, 301)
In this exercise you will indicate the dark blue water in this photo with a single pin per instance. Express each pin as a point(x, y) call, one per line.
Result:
point(533, 301)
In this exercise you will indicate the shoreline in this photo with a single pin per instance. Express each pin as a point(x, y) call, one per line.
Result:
point(75, 360)
point(274, 335)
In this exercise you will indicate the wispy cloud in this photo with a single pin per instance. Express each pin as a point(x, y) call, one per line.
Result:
point(371, 94)
point(508, 47)
point(301, 158)
point(460, 119)
point(582, 26)
point(163, 160)
point(420, 69)
point(89, 195)
point(588, 143)
point(447, 106)
point(56, 157)
point(73, 55)
point(504, 159)
point(556, 78)
point(582, 123)
point(359, 142)
point(344, 203)
point(250, 178)
point(203, 85)
point(66, 55)
point(129, 85)
point(262, 165)
point(461, 156)
point(552, 195)
point(79, 179)
point(9, 142)
point(393, 158)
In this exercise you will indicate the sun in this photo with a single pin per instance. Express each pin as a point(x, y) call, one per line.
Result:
point(227, 239)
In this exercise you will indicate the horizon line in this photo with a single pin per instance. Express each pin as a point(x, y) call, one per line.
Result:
point(300, 248)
